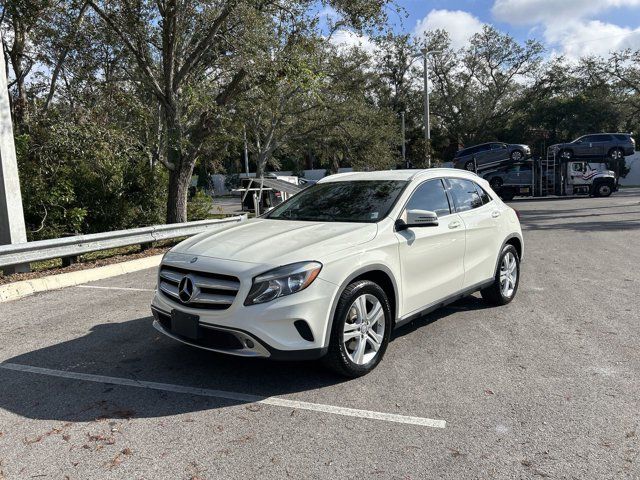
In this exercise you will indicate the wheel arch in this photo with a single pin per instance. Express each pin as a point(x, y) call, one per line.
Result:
point(377, 273)
point(514, 239)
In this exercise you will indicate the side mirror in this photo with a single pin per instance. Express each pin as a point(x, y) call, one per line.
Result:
point(418, 218)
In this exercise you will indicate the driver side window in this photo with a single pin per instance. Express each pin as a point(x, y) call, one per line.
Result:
point(430, 196)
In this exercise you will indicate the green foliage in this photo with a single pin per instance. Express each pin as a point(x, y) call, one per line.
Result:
point(84, 178)
point(199, 206)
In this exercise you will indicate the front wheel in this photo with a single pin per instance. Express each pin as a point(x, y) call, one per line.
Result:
point(616, 154)
point(361, 330)
point(505, 284)
point(517, 155)
point(603, 190)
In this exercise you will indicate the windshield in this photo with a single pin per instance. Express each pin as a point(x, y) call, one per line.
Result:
point(357, 201)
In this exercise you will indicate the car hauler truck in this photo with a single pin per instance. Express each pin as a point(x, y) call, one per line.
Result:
point(551, 176)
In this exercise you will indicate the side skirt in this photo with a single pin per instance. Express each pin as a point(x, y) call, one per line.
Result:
point(443, 303)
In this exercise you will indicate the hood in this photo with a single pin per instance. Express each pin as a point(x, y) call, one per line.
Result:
point(277, 242)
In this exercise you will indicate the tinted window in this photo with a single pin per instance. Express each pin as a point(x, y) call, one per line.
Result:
point(622, 137)
point(484, 195)
point(430, 196)
point(464, 193)
point(484, 148)
point(356, 201)
point(600, 138)
point(498, 146)
point(468, 151)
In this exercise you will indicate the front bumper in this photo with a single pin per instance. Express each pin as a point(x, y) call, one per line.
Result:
point(218, 339)
point(294, 326)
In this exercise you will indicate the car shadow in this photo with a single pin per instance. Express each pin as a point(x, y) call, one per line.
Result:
point(134, 350)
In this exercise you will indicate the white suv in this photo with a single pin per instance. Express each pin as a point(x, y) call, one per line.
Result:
point(333, 270)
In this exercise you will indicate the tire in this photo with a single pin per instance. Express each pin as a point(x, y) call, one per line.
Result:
point(507, 194)
point(499, 293)
point(603, 189)
point(346, 357)
point(517, 155)
point(566, 154)
point(616, 154)
point(496, 183)
point(469, 166)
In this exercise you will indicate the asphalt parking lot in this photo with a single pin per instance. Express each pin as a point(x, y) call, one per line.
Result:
point(548, 386)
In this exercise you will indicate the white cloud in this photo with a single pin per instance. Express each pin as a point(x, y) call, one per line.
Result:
point(581, 38)
point(459, 25)
point(349, 39)
point(569, 27)
point(527, 12)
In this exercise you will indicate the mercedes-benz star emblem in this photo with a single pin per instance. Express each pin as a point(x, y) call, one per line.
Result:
point(186, 289)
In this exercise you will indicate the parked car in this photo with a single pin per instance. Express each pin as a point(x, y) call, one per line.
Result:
point(598, 145)
point(333, 270)
point(490, 154)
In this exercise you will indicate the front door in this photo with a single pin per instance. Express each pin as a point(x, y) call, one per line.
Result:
point(431, 257)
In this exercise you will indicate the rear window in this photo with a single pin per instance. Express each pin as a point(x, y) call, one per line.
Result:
point(600, 138)
point(464, 193)
point(622, 137)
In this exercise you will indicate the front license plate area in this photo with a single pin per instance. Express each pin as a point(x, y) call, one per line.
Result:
point(185, 324)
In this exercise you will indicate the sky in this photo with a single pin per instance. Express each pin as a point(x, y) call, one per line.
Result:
point(572, 28)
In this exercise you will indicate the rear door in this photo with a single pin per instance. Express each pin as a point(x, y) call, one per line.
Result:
point(480, 215)
point(483, 155)
point(431, 257)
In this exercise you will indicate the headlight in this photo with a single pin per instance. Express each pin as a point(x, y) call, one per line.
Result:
point(282, 281)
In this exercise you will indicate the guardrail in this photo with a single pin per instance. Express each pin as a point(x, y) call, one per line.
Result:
point(24, 253)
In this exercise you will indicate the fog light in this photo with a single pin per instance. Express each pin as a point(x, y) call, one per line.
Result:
point(249, 343)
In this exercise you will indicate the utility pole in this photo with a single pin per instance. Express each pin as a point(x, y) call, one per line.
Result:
point(404, 143)
point(246, 150)
point(427, 126)
point(12, 228)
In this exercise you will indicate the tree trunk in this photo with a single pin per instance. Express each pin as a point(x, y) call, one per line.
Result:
point(180, 171)
point(179, 182)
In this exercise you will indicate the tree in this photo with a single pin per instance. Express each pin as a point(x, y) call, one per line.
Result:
point(197, 57)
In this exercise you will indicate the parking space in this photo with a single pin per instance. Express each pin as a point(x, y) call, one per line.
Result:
point(544, 387)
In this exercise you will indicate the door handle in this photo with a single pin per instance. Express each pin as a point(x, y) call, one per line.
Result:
point(495, 214)
point(454, 224)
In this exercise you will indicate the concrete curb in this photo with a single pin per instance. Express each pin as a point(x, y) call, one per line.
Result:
point(14, 291)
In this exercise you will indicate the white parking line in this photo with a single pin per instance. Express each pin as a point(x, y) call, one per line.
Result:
point(117, 288)
point(242, 397)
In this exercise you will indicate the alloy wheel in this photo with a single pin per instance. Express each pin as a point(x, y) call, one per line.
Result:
point(508, 274)
point(364, 327)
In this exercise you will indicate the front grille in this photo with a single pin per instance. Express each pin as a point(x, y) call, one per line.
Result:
point(213, 291)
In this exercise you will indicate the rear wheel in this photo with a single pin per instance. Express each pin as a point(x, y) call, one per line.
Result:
point(507, 194)
point(496, 183)
point(505, 284)
point(517, 155)
point(566, 154)
point(361, 330)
